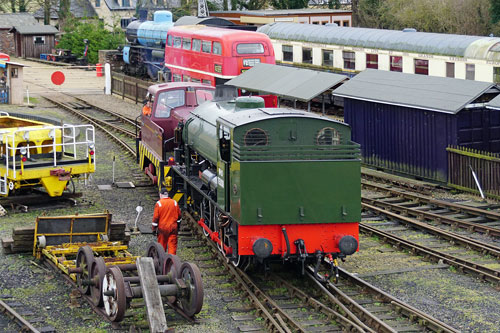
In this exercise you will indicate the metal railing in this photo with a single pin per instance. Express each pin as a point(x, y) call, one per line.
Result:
point(70, 147)
point(129, 87)
point(474, 171)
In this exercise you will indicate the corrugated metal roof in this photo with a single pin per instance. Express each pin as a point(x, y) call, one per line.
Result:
point(290, 82)
point(433, 93)
point(7, 21)
point(35, 29)
point(417, 42)
point(494, 103)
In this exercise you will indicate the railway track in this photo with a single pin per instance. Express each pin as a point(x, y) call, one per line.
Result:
point(10, 313)
point(282, 306)
point(124, 136)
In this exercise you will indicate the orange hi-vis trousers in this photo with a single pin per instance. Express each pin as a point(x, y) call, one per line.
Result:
point(168, 238)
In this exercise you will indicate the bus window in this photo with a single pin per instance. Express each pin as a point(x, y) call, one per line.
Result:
point(169, 40)
point(203, 95)
point(206, 46)
point(177, 42)
point(206, 82)
point(186, 78)
point(254, 48)
point(193, 79)
point(186, 43)
point(196, 45)
point(176, 78)
point(217, 48)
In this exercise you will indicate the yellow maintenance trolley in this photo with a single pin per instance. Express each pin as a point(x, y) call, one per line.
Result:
point(109, 276)
point(38, 154)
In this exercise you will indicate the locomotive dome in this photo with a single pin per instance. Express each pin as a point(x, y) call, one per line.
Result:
point(408, 40)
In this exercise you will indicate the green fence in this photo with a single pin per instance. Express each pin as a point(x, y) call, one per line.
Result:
point(129, 87)
point(464, 163)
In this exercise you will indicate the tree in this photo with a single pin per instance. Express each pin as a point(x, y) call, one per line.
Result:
point(495, 11)
point(289, 4)
point(334, 4)
point(99, 38)
point(252, 4)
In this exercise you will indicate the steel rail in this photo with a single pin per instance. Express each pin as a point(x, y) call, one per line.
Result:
point(420, 214)
point(451, 236)
point(411, 312)
point(274, 324)
point(20, 321)
point(461, 264)
point(425, 188)
point(121, 117)
point(96, 124)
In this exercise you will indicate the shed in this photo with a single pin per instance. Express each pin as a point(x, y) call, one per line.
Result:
point(405, 122)
point(31, 41)
point(7, 21)
point(13, 92)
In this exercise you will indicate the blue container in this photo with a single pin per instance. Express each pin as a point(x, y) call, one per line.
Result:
point(43, 56)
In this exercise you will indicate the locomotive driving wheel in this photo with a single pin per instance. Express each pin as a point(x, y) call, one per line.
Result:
point(113, 294)
point(97, 273)
point(84, 260)
point(156, 251)
point(192, 300)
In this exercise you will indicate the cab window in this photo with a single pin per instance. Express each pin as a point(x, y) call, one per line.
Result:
point(169, 40)
point(169, 100)
point(203, 95)
point(217, 48)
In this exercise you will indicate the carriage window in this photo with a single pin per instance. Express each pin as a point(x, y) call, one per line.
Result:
point(328, 58)
point(196, 45)
point(307, 55)
point(177, 42)
point(168, 100)
point(256, 137)
point(372, 61)
point(287, 53)
point(206, 46)
point(470, 71)
point(328, 136)
point(422, 66)
point(349, 60)
point(396, 64)
point(254, 48)
point(217, 48)
point(169, 40)
point(186, 43)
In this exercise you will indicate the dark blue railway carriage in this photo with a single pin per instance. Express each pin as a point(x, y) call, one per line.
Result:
point(404, 122)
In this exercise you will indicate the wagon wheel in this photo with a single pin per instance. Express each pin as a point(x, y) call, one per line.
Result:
point(113, 294)
point(84, 260)
point(172, 264)
point(97, 273)
point(192, 301)
point(156, 251)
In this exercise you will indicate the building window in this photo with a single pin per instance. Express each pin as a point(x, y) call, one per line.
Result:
point(372, 61)
point(496, 74)
point(196, 45)
point(307, 55)
point(186, 43)
point(421, 66)
point(98, 3)
point(470, 70)
point(217, 48)
point(345, 23)
point(450, 69)
point(206, 46)
point(349, 60)
point(39, 40)
point(287, 53)
point(337, 23)
point(126, 3)
point(328, 58)
point(396, 64)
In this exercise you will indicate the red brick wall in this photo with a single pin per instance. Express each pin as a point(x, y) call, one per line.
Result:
point(7, 42)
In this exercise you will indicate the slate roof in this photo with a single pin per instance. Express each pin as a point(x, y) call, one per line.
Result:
point(79, 8)
point(7, 21)
point(289, 82)
point(35, 29)
point(432, 93)
point(116, 5)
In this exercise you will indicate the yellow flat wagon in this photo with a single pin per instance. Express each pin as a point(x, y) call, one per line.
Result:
point(38, 154)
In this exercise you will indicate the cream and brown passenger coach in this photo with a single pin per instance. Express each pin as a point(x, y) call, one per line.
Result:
point(351, 50)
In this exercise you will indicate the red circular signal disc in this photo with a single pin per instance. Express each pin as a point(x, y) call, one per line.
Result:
point(57, 78)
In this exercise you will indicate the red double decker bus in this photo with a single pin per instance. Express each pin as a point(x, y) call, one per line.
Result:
point(212, 55)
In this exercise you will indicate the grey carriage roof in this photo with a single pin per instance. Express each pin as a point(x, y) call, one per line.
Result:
point(410, 41)
point(433, 93)
point(288, 82)
point(285, 12)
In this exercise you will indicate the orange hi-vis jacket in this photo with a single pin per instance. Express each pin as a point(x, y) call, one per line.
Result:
point(166, 214)
point(146, 110)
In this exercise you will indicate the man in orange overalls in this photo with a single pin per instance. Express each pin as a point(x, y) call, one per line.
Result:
point(166, 216)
